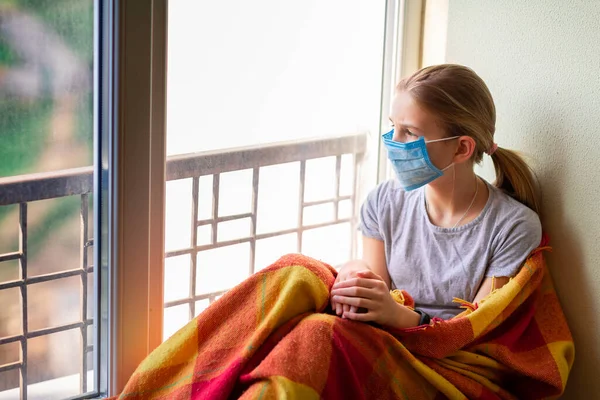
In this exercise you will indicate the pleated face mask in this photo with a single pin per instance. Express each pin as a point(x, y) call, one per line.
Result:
point(411, 161)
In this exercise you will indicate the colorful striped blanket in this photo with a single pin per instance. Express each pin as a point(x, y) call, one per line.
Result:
point(275, 337)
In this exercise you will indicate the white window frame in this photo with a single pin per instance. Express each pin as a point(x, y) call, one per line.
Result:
point(137, 96)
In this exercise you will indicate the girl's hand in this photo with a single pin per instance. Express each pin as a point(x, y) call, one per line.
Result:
point(368, 290)
point(348, 271)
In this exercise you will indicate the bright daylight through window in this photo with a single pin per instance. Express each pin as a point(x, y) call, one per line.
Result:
point(267, 121)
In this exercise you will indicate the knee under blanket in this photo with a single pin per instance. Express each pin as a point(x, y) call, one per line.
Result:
point(274, 337)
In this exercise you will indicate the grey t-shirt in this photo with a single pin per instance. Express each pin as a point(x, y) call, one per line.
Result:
point(436, 264)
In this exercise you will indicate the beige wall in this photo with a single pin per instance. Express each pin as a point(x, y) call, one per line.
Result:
point(541, 60)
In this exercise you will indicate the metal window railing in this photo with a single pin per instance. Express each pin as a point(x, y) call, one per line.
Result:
point(192, 166)
point(24, 189)
point(21, 190)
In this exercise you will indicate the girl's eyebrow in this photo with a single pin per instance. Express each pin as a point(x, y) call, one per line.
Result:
point(407, 126)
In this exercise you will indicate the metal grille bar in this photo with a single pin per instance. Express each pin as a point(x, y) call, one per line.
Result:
point(215, 209)
point(10, 366)
point(194, 236)
point(253, 218)
point(84, 290)
point(194, 298)
point(47, 185)
point(10, 256)
point(219, 161)
point(45, 278)
point(44, 331)
point(23, 261)
point(338, 177)
point(223, 219)
point(301, 201)
point(326, 201)
point(357, 158)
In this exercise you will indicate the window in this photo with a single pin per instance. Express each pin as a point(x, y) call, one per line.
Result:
point(268, 121)
point(108, 224)
point(49, 341)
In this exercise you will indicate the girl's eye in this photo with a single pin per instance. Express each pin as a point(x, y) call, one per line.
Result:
point(409, 134)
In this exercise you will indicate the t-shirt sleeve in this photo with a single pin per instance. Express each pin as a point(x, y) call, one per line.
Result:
point(369, 215)
point(514, 245)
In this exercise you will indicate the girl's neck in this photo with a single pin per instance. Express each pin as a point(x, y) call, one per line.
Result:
point(458, 194)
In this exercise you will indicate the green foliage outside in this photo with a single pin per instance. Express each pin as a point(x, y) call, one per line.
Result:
point(25, 126)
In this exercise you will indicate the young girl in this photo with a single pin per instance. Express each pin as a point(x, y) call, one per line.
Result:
point(439, 231)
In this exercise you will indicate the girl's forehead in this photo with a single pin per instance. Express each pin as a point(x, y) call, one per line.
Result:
point(405, 111)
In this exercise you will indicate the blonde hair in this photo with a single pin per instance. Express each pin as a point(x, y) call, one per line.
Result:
point(463, 105)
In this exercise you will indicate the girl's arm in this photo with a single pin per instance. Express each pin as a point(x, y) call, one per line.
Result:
point(488, 285)
point(374, 257)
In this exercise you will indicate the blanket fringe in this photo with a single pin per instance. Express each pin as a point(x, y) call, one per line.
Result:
point(467, 305)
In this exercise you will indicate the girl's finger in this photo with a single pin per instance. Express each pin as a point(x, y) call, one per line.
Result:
point(368, 274)
point(345, 308)
point(363, 317)
point(362, 282)
point(354, 301)
point(355, 291)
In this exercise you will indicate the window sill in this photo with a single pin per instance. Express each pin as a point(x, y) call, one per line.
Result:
point(59, 388)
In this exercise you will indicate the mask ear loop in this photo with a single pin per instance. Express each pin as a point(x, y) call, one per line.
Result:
point(453, 180)
point(453, 165)
point(453, 185)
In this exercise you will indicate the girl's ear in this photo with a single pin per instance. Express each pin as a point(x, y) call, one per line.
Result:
point(466, 148)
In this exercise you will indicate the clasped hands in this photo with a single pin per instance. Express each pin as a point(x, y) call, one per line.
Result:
point(361, 295)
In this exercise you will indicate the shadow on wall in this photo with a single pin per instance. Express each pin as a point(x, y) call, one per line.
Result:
point(566, 260)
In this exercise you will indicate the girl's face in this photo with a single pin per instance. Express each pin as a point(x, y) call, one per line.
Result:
point(410, 121)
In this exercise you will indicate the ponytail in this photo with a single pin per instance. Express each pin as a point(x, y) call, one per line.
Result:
point(515, 178)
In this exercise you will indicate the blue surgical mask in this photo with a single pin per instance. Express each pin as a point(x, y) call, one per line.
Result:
point(411, 162)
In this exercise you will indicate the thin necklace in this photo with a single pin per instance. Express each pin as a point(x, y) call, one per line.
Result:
point(468, 209)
